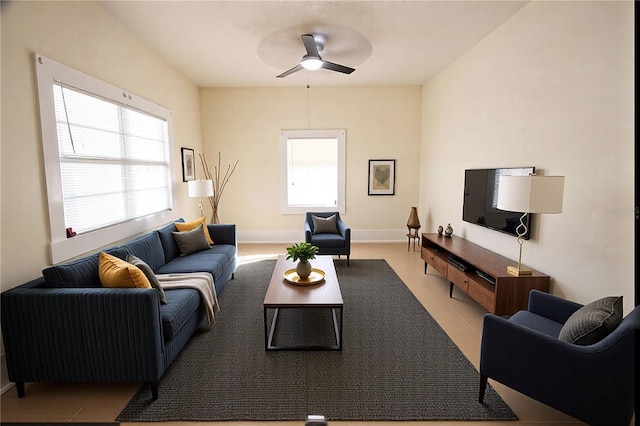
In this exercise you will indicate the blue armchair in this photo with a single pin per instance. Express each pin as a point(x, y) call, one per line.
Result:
point(328, 238)
point(593, 383)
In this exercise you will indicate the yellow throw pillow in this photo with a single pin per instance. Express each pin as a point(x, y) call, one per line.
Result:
point(116, 273)
point(188, 226)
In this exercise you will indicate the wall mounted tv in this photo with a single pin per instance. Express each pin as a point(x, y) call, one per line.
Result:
point(481, 199)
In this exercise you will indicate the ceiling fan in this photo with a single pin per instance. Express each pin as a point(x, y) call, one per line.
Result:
point(312, 60)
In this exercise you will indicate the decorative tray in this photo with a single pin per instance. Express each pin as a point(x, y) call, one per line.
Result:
point(316, 276)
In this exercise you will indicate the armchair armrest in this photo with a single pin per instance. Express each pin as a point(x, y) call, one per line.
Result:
point(307, 232)
point(551, 307)
point(82, 334)
point(344, 230)
point(223, 233)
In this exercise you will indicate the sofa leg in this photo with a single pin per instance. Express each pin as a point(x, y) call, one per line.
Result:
point(348, 260)
point(483, 387)
point(20, 389)
point(154, 390)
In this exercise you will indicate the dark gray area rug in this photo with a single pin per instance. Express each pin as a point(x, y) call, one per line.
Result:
point(396, 363)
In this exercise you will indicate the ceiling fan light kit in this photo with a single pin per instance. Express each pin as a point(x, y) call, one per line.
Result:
point(311, 63)
point(312, 60)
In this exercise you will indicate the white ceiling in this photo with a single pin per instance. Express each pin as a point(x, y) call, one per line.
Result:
point(247, 43)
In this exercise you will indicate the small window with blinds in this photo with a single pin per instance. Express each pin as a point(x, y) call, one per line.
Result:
point(106, 157)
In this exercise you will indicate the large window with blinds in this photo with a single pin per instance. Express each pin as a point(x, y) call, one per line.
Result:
point(107, 160)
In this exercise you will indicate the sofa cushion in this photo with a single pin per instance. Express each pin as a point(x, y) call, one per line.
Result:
point(593, 322)
point(202, 261)
point(148, 272)
point(213, 261)
point(191, 241)
point(181, 304)
point(148, 248)
point(79, 273)
point(323, 225)
point(117, 273)
point(188, 226)
point(169, 245)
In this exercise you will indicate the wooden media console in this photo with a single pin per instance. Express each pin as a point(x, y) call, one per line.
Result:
point(480, 273)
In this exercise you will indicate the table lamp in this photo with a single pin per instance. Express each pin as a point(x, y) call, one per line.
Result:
point(200, 188)
point(529, 194)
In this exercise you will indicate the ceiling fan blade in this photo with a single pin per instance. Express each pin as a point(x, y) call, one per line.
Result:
point(337, 67)
point(310, 44)
point(291, 71)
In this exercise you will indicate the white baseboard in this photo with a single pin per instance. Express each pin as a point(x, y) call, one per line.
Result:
point(291, 236)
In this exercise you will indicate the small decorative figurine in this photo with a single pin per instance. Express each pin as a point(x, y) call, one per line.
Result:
point(440, 229)
point(448, 231)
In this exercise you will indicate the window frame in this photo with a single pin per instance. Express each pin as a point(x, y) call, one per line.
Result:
point(285, 135)
point(62, 248)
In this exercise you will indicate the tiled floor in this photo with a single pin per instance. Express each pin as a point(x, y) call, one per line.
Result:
point(460, 317)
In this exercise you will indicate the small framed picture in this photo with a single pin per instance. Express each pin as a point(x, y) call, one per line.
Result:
point(382, 177)
point(188, 165)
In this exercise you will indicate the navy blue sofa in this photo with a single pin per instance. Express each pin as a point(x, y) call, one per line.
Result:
point(65, 327)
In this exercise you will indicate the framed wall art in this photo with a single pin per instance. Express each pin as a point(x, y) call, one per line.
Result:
point(188, 164)
point(382, 177)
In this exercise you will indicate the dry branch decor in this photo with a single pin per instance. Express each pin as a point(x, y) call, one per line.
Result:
point(219, 183)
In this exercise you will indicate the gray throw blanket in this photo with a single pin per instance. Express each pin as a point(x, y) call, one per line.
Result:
point(201, 281)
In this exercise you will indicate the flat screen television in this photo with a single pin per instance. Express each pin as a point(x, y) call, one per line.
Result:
point(481, 199)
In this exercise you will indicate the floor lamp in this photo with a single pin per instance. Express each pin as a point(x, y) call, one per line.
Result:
point(529, 194)
point(200, 188)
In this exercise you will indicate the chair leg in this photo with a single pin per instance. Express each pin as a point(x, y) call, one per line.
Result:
point(483, 387)
point(348, 260)
point(20, 389)
point(154, 390)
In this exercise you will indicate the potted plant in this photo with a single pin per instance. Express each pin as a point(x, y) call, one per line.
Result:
point(303, 252)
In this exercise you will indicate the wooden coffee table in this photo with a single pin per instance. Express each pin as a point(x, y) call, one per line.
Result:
point(283, 295)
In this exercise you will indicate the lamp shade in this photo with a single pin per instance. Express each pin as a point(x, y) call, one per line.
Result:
point(531, 194)
point(200, 188)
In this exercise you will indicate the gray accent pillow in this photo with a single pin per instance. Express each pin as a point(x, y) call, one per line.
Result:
point(593, 322)
point(148, 272)
point(191, 241)
point(325, 225)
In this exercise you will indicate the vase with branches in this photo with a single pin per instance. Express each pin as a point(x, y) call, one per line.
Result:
point(219, 183)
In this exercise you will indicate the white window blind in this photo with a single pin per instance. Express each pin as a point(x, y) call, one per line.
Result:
point(106, 157)
point(313, 170)
point(112, 160)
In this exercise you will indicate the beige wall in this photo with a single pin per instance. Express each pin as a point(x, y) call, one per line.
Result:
point(245, 124)
point(553, 88)
point(83, 36)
